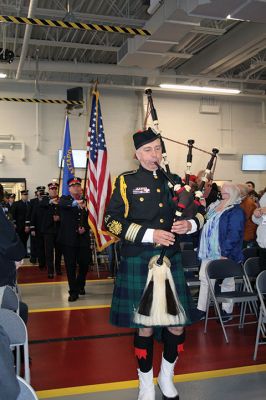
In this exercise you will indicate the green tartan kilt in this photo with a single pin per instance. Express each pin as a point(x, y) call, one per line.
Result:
point(130, 284)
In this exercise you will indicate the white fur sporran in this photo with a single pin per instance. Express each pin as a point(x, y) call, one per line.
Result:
point(158, 315)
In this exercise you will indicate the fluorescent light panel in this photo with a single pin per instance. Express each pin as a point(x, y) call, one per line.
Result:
point(2, 75)
point(200, 89)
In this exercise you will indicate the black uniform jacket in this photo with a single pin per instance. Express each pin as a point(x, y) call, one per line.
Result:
point(70, 220)
point(141, 200)
point(11, 250)
point(48, 210)
point(37, 217)
point(33, 203)
point(19, 211)
point(7, 210)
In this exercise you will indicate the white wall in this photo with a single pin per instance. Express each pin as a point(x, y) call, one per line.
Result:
point(238, 125)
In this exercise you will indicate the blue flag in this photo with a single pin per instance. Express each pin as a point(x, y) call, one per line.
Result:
point(69, 170)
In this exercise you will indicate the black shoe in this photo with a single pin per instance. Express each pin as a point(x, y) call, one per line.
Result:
point(50, 276)
point(82, 291)
point(73, 297)
point(226, 317)
point(201, 315)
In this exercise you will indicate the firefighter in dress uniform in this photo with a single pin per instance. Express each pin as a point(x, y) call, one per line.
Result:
point(36, 222)
point(74, 238)
point(19, 211)
point(141, 213)
point(50, 228)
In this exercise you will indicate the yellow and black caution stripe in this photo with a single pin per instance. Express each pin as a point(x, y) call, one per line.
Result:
point(74, 25)
point(45, 101)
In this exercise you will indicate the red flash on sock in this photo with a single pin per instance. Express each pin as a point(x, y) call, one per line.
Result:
point(180, 348)
point(140, 353)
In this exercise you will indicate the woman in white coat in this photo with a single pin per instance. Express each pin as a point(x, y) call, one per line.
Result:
point(259, 218)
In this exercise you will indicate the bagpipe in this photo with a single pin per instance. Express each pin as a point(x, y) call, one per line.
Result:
point(159, 304)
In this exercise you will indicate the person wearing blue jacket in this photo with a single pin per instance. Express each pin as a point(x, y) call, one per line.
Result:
point(221, 238)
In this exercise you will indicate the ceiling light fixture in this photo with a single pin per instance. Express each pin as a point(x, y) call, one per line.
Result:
point(2, 75)
point(199, 89)
point(234, 19)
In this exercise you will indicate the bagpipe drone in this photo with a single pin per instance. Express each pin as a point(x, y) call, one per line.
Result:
point(159, 304)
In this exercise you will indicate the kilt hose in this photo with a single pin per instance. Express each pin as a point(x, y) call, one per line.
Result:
point(130, 283)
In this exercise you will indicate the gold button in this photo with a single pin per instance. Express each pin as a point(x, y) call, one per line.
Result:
point(141, 199)
point(158, 190)
point(162, 220)
point(160, 204)
point(155, 176)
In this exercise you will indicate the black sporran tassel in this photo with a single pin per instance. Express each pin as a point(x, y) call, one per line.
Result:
point(170, 299)
point(146, 300)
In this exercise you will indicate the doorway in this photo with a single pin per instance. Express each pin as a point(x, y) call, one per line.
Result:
point(14, 185)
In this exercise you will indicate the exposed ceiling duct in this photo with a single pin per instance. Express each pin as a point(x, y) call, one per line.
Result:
point(247, 10)
point(168, 26)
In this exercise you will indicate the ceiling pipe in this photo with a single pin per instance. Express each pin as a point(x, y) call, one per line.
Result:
point(32, 8)
point(104, 69)
point(154, 5)
point(138, 88)
point(16, 29)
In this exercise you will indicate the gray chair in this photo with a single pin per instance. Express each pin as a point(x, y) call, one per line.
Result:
point(220, 270)
point(251, 271)
point(10, 300)
point(191, 265)
point(250, 252)
point(18, 336)
point(261, 289)
point(26, 391)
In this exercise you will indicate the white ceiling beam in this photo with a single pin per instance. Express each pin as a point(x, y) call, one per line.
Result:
point(184, 56)
point(54, 43)
point(107, 69)
point(208, 30)
point(28, 29)
point(68, 84)
point(197, 28)
point(81, 68)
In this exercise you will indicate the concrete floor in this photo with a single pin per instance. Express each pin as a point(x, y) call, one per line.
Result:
point(54, 295)
point(50, 296)
point(239, 387)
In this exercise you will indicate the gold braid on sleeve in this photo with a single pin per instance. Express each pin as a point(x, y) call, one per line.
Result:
point(114, 184)
point(123, 191)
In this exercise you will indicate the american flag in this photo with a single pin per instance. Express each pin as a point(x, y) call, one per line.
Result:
point(98, 190)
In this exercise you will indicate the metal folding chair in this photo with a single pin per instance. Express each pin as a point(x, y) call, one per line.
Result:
point(186, 246)
point(261, 289)
point(222, 269)
point(26, 391)
point(18, 336)
point(250, 252)
point(10, 300)
point(191, 265)
point(251, 271)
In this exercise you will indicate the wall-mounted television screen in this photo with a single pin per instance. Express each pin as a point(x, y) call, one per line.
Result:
point(79, 158)
point(254, 162)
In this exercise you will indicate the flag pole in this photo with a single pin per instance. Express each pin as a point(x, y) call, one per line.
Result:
point(62, 157)
point(93, 89)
